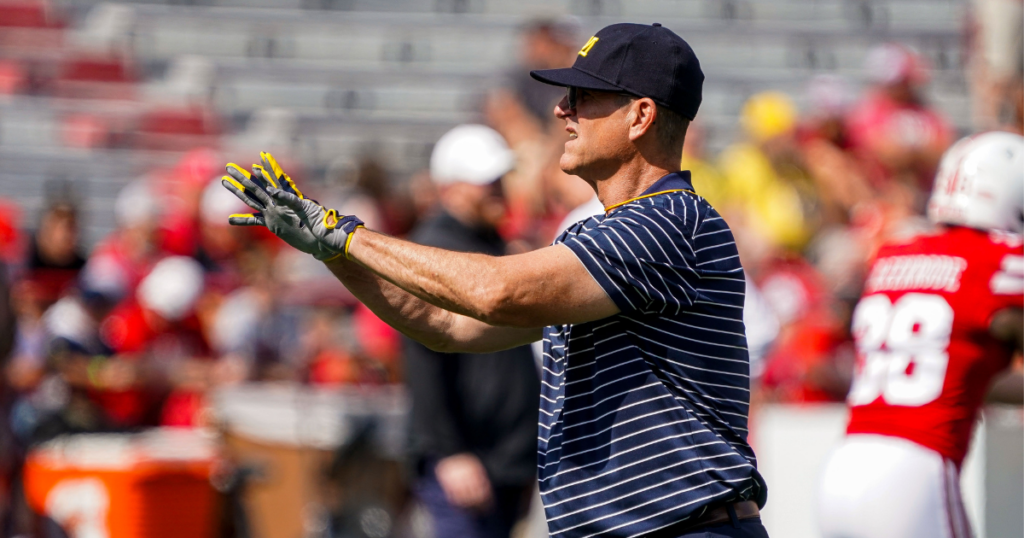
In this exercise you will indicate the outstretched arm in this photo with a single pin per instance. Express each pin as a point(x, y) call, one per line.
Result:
point(449, 301)
point(432, 326)
point(549, 286)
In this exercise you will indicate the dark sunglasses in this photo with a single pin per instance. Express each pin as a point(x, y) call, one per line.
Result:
point(571, 93)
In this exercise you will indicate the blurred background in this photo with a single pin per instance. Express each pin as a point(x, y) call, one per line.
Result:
point(167, 375)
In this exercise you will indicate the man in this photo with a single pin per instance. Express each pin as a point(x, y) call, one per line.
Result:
point(474, 416)
point(941, 316)
point(644, 386)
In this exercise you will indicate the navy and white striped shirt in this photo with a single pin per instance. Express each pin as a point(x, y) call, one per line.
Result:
point(643, 415)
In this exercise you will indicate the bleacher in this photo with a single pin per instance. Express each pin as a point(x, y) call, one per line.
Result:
point(390, 76)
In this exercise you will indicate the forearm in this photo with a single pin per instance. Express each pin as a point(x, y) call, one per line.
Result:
point(463, 283)
point(430, 325)
point(549, 286)
point(413, 317)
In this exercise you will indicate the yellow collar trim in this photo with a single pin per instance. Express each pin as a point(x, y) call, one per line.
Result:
point(620, 204)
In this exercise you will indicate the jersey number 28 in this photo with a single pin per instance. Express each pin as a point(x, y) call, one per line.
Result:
point(904, 348)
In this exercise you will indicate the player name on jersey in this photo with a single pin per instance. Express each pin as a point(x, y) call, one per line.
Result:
point(916, 272)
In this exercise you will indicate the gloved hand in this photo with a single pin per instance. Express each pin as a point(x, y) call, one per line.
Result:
point(334, 231)
point(293, 227)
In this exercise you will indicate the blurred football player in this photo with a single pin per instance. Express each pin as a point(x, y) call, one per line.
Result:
point(939, 318)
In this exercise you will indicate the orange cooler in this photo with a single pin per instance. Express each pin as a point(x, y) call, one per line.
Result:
point(150, 485)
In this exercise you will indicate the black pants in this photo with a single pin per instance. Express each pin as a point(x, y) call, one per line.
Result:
point(510, 503)
point(743, 528)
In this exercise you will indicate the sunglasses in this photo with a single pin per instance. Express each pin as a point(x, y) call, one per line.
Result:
point(572, 95)
point(571, 92)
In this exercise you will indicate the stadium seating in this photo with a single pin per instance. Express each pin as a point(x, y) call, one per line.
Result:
point(389, 76)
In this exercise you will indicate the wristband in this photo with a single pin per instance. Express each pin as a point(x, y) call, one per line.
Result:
point(346, 224)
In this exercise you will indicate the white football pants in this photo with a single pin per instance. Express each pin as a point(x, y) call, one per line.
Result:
point(876, 486)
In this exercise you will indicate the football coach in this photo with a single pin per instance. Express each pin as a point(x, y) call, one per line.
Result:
point(645, 380)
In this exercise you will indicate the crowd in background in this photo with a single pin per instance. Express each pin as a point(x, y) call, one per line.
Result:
point(174, 303)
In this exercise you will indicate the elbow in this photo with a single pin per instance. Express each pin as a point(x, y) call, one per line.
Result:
point(499, 304)
point(440, 345)
point(442, 338)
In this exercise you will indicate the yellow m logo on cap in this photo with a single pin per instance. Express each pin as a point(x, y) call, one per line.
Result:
point(586, 48)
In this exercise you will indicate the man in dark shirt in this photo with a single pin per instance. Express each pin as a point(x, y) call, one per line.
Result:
point(645, 377)
point(474, 432)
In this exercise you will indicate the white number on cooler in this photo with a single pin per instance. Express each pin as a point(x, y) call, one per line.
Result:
point(904, 347)
point(80, 507)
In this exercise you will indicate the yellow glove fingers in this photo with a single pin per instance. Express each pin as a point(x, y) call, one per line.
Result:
point(293, 186)
point(249, 189)
point(246, 219)
point(239, 190)
point(238, 169)
point(234, 185)
point(260, 172)
point(270, 163)
point(283, 197)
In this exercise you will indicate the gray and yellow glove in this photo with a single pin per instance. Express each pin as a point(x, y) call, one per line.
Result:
point(260, 190)
point(334, 231)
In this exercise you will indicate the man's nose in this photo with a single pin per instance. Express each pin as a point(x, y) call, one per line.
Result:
point(562, 109)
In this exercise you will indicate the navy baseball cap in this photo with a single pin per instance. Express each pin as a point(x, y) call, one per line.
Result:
point(641, 60)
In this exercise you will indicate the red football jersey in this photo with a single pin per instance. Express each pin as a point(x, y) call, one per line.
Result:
point(924, 355)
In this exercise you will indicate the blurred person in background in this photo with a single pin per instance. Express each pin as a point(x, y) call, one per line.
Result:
point(805, 362)
point(221, 249)
point(854, 216)
point(707, 180)
point(898, 136)
point(54, 257)
point(9, 455)
point(51, 268)
point(133, 244)
point(773, 206)
point(520, 109)
point(824, 140)
point(157, 342)
point(767, 197)
point(473, 416)
point(344, 183)
point(394, 208)
point(61, 403)
point(941, 315)
point(181, 191)
point(997, 65)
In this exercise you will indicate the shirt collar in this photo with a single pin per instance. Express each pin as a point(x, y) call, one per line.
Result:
point(671, 182)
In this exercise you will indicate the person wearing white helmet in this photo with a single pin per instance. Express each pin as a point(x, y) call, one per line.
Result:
point(939, 318)
point(473, 416)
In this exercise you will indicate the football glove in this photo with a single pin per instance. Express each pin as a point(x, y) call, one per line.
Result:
point(297, 227)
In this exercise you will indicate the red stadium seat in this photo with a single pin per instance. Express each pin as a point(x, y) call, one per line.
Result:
point(96, 77)
point(177, 129)
point(27, 14)
point(96, 69)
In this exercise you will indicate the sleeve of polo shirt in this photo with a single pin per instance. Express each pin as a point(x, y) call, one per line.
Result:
point(643, 260)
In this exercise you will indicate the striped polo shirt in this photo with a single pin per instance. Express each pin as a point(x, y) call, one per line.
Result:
point(643, 415)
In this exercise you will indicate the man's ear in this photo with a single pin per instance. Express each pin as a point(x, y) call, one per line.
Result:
point(642, 115)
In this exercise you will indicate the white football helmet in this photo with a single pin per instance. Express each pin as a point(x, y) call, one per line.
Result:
point(980, 183)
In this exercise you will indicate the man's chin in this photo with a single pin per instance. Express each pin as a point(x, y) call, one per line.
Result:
point(569, 166)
